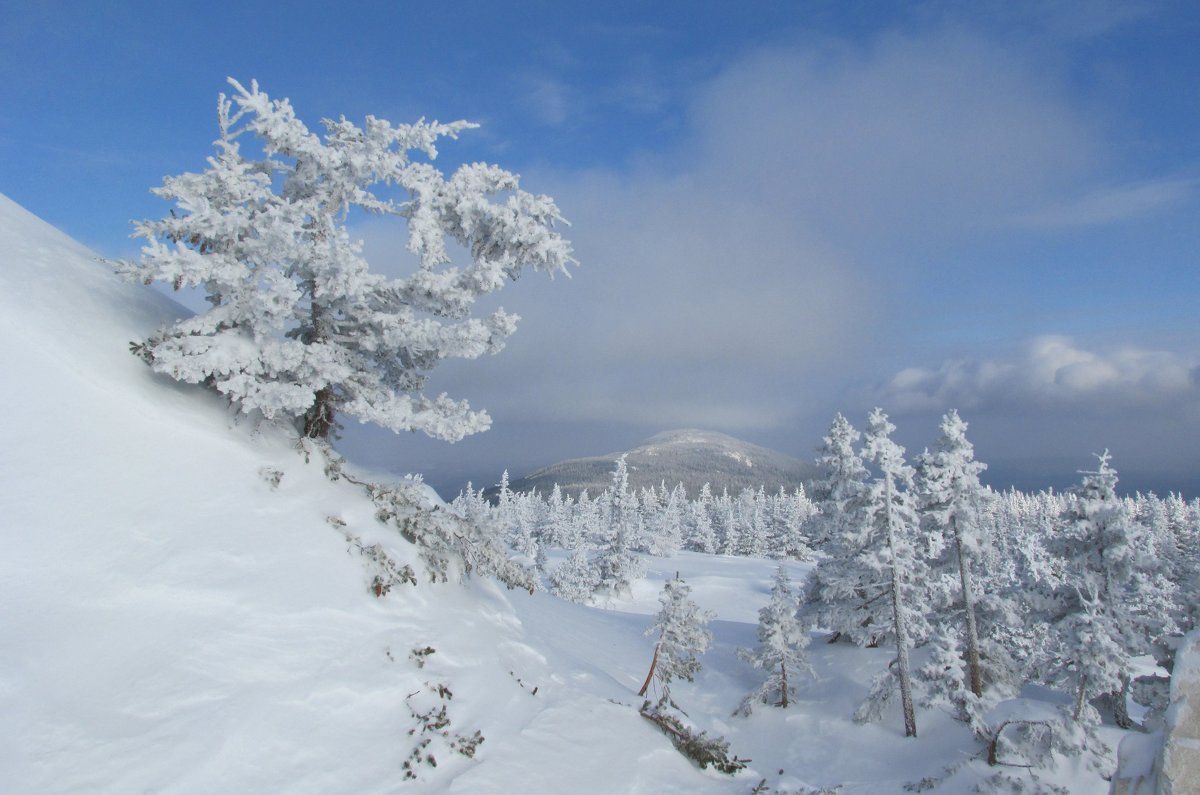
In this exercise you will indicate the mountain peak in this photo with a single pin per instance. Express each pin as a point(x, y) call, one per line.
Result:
point(690, 456)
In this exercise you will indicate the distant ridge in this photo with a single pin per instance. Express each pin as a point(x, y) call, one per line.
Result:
point(688, 456)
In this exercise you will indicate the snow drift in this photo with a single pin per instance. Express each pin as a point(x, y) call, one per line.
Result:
point(173, 623)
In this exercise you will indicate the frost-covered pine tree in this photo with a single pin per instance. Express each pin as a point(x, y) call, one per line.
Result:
point(576, 578)
point(1111, 608)
point(782, 640)
point(666, 537)
point(950, 499)
point(891, 554)
point(618, 565)
point(701, 537)
point(789, 515)
point(841, 483)
point(298, 325)
point(680, 626)
point(843, 593)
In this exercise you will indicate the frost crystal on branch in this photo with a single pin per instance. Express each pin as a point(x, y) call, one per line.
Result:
point(299, 326)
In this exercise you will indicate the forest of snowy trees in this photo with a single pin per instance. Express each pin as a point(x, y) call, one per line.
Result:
point(1079, 592)
point(1073, 591)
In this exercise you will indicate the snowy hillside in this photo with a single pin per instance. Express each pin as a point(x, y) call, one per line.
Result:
point(690, 457)
point(171, 623)
point(175, 622)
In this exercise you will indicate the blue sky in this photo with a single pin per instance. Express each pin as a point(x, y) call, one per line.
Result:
point(782, 210)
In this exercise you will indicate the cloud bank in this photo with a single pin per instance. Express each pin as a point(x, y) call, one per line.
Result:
point(1052, 374)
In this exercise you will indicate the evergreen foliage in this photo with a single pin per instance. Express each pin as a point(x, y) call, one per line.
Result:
point(891, 553)
point(298, 326)
point(682, 637)
point(951, 500)
point(782, 640)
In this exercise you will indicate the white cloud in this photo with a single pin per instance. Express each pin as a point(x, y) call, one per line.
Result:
point(910, 140)
point(755, 265)
point(1051, 374)
point(549, 99)
point(1109, 205)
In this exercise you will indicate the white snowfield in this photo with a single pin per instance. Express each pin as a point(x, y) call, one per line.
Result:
point(170, 622)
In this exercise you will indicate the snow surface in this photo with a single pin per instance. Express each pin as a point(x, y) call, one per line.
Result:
point(172, 623)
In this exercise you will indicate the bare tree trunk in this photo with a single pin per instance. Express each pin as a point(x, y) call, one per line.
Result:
point(653, 665)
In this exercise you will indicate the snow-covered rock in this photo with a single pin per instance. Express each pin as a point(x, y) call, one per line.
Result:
point(1180, 766)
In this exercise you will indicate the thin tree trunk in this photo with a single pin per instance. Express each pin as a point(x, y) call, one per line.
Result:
point(783, 676)
point(1121, 705)
point(1079, 698)
point(319, 420)
point(901, 626)
point(653, 665)
point(968, 591)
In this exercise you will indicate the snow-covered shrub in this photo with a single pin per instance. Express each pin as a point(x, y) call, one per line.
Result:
point(576, 578)
point(695, 745)
point(449, 545)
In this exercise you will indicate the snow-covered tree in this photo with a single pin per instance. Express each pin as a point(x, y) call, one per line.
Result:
point(576, 578)
point(700, 534)
point(950, 497)
point(841, 483)
point(680, 627)
point(782, 640)
point(618, 565)
point(298, 326)
point(843, 593)
point(891, 553)
point(789, 515)
point(666, 536)
point(1112, 606)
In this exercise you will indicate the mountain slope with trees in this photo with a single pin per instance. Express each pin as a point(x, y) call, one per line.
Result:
point(687, 456)
point(197, 600)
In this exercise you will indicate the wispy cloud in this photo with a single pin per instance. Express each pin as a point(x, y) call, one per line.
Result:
point(548, 98)
point(1109, 205)
point(1052, 373)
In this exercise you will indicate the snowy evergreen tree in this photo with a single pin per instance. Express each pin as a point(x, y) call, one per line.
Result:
point(891, 555)
point(950, 497)
point(751, 517)
point(701, 537)
point(575, 579)
point(840, 485)
point(299, 327)
point(782, 640)
point(680, 627)
point(1112, 608)
point(666, 537)
point(843, 592)
point(789, 515)
point(618, 565)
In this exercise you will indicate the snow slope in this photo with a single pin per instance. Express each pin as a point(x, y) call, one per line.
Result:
point(171, 623)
